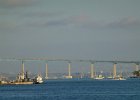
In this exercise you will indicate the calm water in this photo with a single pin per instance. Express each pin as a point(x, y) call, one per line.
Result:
point(73, 90)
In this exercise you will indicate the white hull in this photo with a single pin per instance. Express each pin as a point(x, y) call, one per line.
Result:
point(98, 78)
point(38, 80)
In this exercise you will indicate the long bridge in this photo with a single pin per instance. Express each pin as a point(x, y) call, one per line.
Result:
point(92, 62)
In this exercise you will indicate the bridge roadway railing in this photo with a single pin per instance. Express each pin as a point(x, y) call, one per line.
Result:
point(68, 60)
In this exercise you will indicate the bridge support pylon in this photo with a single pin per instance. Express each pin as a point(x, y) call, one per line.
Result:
point(114, 70)
point(22, 71)
point(46, 77)
point(92, 70)
point(69, 71)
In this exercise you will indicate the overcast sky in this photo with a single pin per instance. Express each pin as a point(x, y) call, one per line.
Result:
point(72, 29)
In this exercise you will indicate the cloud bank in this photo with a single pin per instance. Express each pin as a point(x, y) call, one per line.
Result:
point(15, 3)
point(85, 22)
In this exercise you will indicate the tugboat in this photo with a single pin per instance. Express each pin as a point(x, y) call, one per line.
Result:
point(38, 79)
point(3, 80)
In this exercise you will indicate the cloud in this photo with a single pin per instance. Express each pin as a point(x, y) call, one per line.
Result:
point(7, 24)
point(124, 23)
point(87, 22)
point(40, 14)
point(128, 22)
point(18, 19)
point(69, 21)
point(57, 23)
point(45, 23)
point(54, 19)
point(15, 3)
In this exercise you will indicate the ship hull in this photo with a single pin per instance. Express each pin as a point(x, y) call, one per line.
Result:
point(17, 83)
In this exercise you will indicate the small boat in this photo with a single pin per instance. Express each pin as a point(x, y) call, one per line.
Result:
point(38, 79)
point(119, 78)
point(100, 77)
point(133, 78)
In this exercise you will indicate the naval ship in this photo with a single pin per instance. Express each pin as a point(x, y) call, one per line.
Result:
point(22, 79)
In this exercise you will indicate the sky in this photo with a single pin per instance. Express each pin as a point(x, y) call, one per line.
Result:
point(70, 29)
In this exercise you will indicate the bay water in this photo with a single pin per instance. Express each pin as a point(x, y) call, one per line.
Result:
point(73, 90)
